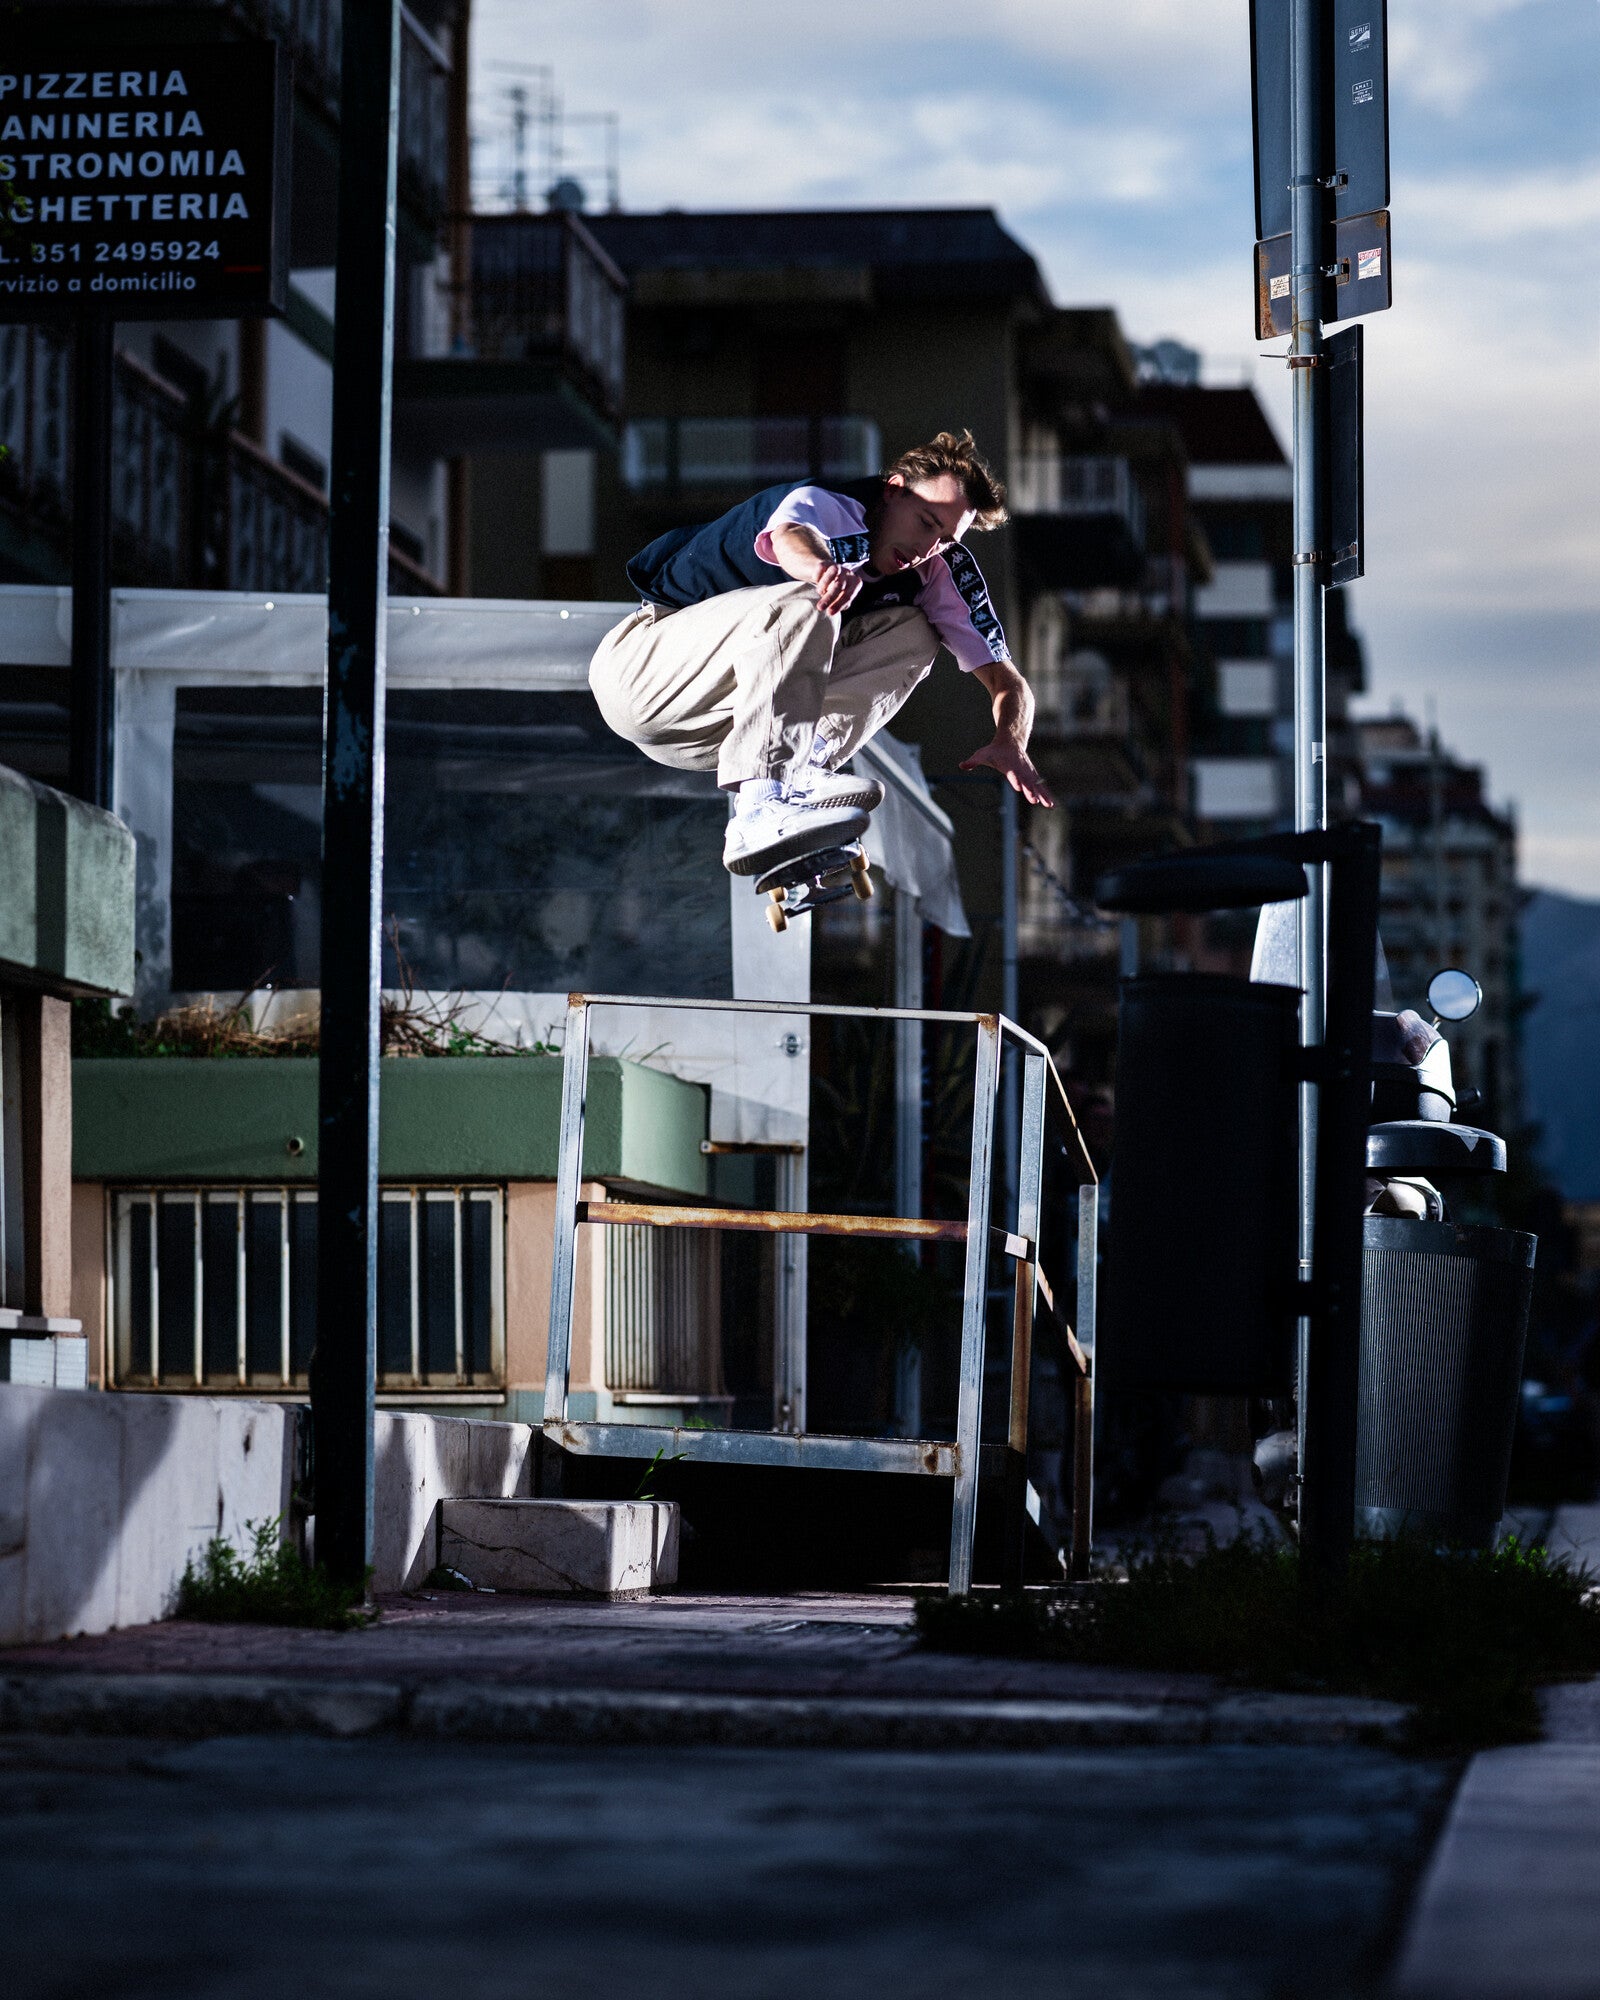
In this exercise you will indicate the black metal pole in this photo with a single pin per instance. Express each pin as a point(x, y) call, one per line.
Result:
point(1331, 1385)
point(90, 745)
point(352, 796)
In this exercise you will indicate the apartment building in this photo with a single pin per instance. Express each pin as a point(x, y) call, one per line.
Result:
point(1240, 488)
point(222, 429)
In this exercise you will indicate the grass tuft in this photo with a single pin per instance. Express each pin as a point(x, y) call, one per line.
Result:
point(1462, 1636)
point(272, 1585)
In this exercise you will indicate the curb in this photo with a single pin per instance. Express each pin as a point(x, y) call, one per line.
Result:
point(202, 1705)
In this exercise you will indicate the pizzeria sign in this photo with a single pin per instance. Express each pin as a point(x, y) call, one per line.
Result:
point(145, 183)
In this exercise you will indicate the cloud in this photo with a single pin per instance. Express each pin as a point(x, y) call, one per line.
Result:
point(1114, 137)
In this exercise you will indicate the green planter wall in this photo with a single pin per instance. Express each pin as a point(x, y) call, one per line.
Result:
point(453, 1118)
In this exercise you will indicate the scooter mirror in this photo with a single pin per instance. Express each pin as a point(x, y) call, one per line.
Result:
point(1454, 995)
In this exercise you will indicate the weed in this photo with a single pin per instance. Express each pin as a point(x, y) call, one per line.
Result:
point(643, 1491)
point(272, 1585)
point(1464, 1637)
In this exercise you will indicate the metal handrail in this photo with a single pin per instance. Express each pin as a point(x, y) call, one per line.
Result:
point(959, 1461)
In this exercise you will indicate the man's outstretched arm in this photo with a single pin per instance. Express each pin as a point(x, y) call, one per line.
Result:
point(1013, 725)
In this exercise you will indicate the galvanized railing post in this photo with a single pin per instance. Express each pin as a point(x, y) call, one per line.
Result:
point(569, 1187)
point(1030, 1188)
point(974, 1313)
point(1083, 1391)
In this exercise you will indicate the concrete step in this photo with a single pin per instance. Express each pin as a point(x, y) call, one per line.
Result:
point(577, 1548)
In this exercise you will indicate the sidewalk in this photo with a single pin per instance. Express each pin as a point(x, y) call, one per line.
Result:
point(811, 1669)
point(1510, 1906)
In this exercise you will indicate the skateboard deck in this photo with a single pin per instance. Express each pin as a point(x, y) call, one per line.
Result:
point(803, 884)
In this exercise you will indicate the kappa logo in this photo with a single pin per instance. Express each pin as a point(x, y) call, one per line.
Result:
point(968, 579)
point(849, 549)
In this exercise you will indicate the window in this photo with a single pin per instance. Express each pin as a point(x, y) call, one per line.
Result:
point(216, 1288)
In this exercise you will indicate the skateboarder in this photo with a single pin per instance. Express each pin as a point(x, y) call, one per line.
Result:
point(773, 642)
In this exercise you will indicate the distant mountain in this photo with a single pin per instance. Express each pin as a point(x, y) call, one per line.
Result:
point(1561, 1037)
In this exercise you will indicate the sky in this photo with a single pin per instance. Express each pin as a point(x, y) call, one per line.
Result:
point(1113, 137)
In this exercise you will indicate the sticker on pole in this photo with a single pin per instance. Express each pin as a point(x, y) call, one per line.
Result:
point(1359, 281)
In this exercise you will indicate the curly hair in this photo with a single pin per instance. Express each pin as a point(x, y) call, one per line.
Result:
point(956, 453)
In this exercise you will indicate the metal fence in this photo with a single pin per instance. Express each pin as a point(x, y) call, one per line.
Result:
point(1018, 1239)
point(194, 504)
point(529, 288)
point(215, 1288)
point(663, 1316)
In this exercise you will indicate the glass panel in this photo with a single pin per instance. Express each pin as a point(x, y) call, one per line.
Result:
point(394, 1287)
point(438, 1273)
point(263, 1296)
point(175, 1257)
point(136, 1303)
point(526, 848)
point(477, 1282)
point(247, 838)
point(219, 1304)
point(33, 721)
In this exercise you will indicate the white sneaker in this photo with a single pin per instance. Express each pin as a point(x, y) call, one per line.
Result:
point(814, 785)
point(773, 830)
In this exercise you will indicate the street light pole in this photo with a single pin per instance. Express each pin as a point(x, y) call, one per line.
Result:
point(344, 1367)
point(1308, 375)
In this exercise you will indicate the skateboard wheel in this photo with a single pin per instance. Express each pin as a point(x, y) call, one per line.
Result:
point(775, 916)
point(861, 882)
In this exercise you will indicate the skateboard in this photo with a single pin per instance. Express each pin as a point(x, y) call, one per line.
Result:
point(799, 886)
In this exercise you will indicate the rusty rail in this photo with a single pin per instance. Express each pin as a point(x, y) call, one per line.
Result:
point(789, 1222)
point(789, 1443)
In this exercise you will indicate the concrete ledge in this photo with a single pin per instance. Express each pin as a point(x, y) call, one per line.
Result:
point(193, 1705)
point(200, 1705)
point(585, 1548)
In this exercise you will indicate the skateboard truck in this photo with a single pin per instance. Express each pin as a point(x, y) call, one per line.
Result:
point(808, 881)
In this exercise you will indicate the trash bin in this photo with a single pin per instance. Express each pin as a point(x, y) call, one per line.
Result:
point(1203, 1252)
point(1444, 1315)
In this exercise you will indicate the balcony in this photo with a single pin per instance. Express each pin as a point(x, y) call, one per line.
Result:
point(1080, 522)
point(521, 348)
point(662, 455)
point(312, 31)
point(193, 505)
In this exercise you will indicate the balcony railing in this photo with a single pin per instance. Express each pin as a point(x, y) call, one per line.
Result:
point(746, 451)
point(1082, 706)
point(193, 504)
point(1056, 483)
point(312, 31)
point(538, 287)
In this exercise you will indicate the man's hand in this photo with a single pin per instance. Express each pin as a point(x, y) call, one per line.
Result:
point(803, 554)
point(1015, 766)
point(1012, 701)
point(837, 586)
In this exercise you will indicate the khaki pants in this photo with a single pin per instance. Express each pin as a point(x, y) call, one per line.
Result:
point(746, 683)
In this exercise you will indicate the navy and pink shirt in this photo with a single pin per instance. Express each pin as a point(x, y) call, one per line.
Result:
point(688, 565)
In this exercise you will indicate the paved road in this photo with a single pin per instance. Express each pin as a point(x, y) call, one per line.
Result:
point(257, 1869)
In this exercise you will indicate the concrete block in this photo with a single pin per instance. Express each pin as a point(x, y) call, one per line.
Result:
point(73, 1505)
point(587, 1548)
point(419, 1461)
